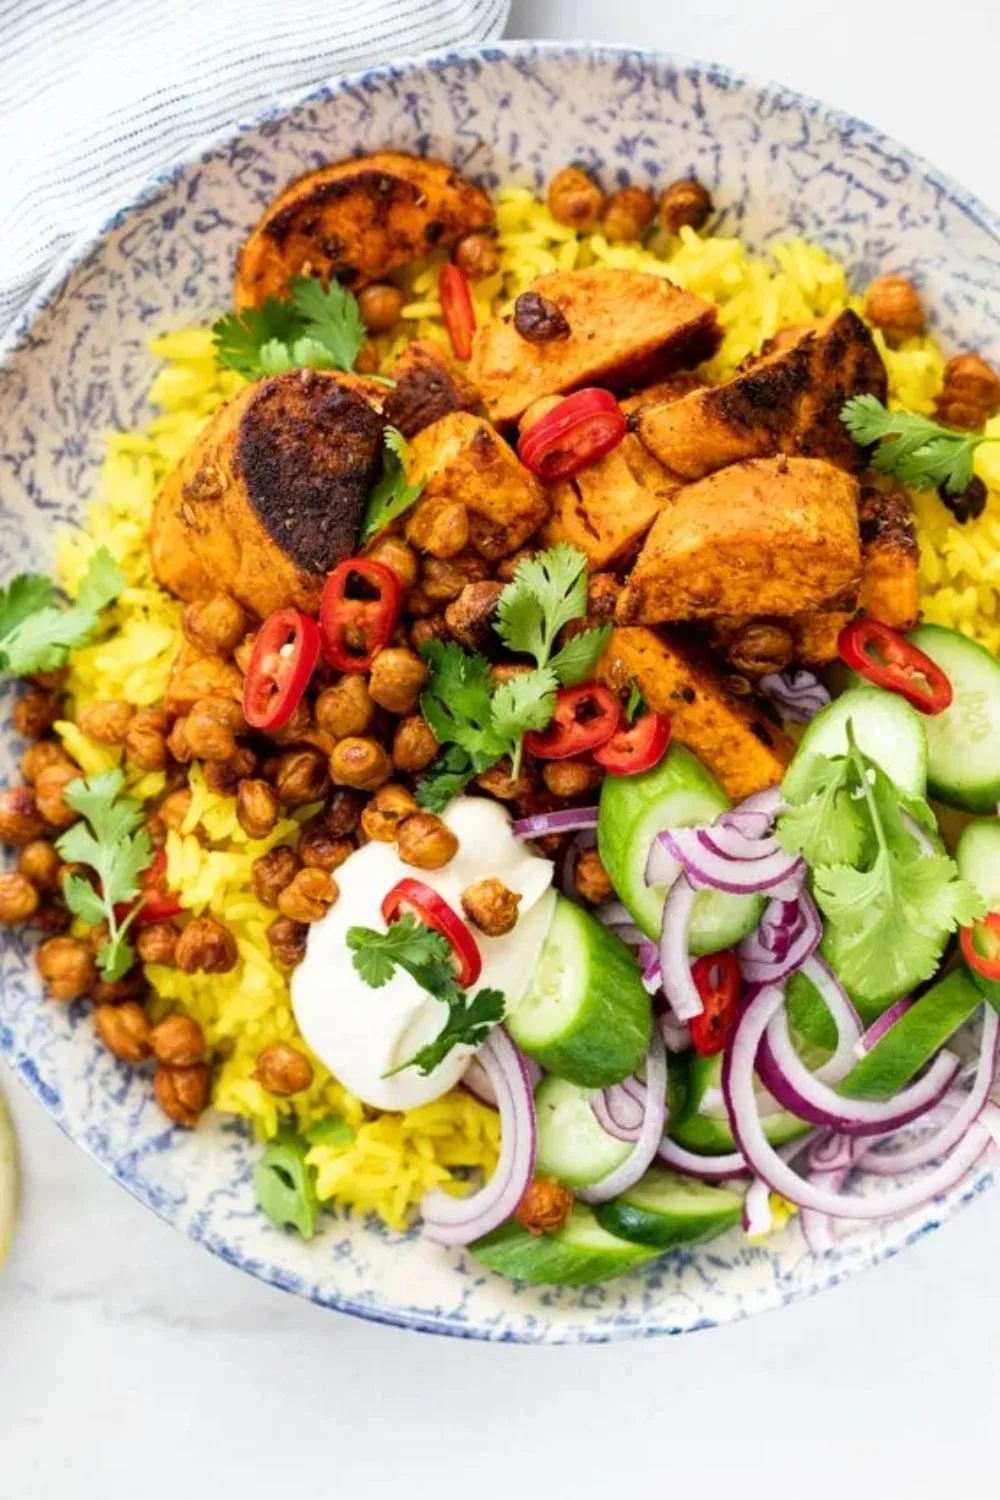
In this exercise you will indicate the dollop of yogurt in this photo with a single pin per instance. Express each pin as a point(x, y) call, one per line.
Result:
point(362, 1033)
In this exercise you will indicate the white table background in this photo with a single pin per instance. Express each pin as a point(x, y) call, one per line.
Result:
point(131, 1362)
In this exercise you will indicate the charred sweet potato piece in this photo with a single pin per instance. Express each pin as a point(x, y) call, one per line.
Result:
point(428, 386)
point(356, 221)
point(608, 507)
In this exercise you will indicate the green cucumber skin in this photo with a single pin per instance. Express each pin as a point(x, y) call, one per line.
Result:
point(608, 1037)
point(572, 1146)
point(974, 673)
point(710, 1133)
point(865, 706)
point(977, 855)
point(914, 1039)
point(665, 1210)
point(582, 1253)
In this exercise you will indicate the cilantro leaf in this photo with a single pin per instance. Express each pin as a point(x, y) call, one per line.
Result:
point(330, 318)
point(284, 1186)
point(915, 450)
point(547, 591)
point(331, 1132)
point(576, 661)
point(35, 634)
point(24, 596)
point(636, 704)
point(101, 584)
point(470, 1020)
point(447, 777)
point(240, 338)
point(313, 327)
point(392, 496)
point(824, 825)
point(525, 702)
point(424, 953)
point(457, 703)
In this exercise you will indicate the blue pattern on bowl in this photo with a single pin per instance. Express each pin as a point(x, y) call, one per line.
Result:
point(76, 365)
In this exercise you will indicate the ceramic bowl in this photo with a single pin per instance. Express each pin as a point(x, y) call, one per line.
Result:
point(76, 364)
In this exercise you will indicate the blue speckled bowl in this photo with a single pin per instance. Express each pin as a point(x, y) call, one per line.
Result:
point(76, 365)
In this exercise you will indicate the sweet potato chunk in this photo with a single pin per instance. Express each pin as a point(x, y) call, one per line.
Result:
point(461, 458)
point(428, 386)
point(742, 747)
point(176, 565)
point(356, 221)
point(764, 537)
point(626, 328)
point(607, 508)
point(787, 401)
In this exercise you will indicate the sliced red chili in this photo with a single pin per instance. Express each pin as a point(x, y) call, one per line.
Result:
point(981, 946)
point(890, 661)
point(636, 748)
point(358, 612)
point(585, 717)
point(155, 902)
point(283, 659)
point(425, 904)
point(577, 432)
point(456, 309)
point(717, 980)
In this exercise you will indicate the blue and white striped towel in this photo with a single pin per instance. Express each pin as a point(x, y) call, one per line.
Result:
point(95, 95)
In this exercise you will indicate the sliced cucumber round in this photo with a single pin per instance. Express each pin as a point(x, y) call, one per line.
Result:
point(678, 793)
point(585, 1015)
point(703, 1125)
point(665, 1209)
point(579, 1254)
point(886, 728)
point(964, 741)
point(572, 1146)
point(978, 859)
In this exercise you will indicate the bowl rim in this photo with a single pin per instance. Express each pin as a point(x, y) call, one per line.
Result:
point(15, 339)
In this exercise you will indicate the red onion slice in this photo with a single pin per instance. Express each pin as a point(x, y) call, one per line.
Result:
point(569, 820)
point(846, 1019)
point(732, 843)
point(798, 696)
point(878, 1028)
point(675, 966)
point(788, 934)
point(618, 1112)
point(706, 1168)
point(617, 918)
point(676, 1038)
point(650, 1136)
point(459, 1221)
point(757, 1219)
point(476, 1080)
point(718, 872)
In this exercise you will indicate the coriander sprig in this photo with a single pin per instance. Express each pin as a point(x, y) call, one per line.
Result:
point(316, 327)
point(392, 496)
point(918, 452)
point(36, 634)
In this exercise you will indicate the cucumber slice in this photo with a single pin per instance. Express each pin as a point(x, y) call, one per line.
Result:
point(964, 741)
point(702, 1125)
point(887, 729)
point(8, 1181)
point(978, 858)
point(572, 1146)
point(914, 1039)
point(585, 1015)
point(677, 793)
point(665, 1209)
point(579, 1254)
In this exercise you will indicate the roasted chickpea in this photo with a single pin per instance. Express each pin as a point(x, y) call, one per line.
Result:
point(346, 708)
point(575, 199)
point(603, 590)
point(309, 897)
point(499, 782)
point(684, 204)
point(22, 814)
point(507, 569)
point(215, 625)
point(178, 744)
point(283, 1070)
point(893, 304)
point(256, 807)
point(146, 739)
point(182, 1093)
point(970, 393)
point(545, 1207)
point(477, 255)
point(342, 813)
point(206, 946)
point(628, 214)
point(303, 776)
point(360, 763)
point(67, 966)
point(224, 776)
point(413, 745)
point(124, 1030)
point(439, 527)
point(491, 907)
point(35, 713)
point(53, 916)
point(321, 850)
point(369, 359)
point(384, 813)
point(117, 991)
point(174, 809)
point(397, 677)
point(19, 899)
point(287, 941)
point(393, 553)
point(592, 880)
point(570, 778)
point(38, 758)
point(380, 305)
point(761, 646)
point(272, 872)
point(178, 1041)
point(470, 617)
point(157, 943)
point(209, 732)
point(107, 722)
point(426, 842)
point(444, 581)
point(40, 863)
point(433, 628)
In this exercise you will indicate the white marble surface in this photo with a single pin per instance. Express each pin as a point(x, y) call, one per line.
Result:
point(133, 1363)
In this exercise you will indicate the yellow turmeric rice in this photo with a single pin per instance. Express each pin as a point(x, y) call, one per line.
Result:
point(394, 1158)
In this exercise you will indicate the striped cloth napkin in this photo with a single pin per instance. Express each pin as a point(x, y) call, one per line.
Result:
point(96, 95)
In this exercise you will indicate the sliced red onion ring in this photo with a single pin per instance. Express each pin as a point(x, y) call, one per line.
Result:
point(649, 960)
point(675, 967)
point(676, 1038)
point(844, 1152)
point(476, 1080)
point(733, 843)
point(707, 1168)
point(846, 1019)
point(766, 804)
point(885, 1022)
point(618, 919)
point(788, 934)
point(570, 820)
point(654, 1121)
point(737, 1082)
point(718, 872)
point(459, 1221)
point(757, 1218)
point(619, 1112)
point(798, 696)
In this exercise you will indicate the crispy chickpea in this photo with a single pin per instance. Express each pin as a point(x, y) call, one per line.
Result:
point(321, 850)
point(628, 214)
point(38, 758)
point(603, 590)
point(893, 304)
point(592, 880)
point(417, 603)
point(117, 991)
point(35, 713)
point(684, 204)
point(215, 625)
point(283, 1070)
point(392, 552)
point(207, 732)
point(380, 305)
point(360, 763)
point(470, 617)
point(174, 809)
point(575, 199)
point(272, 872)
point(22, 815)
point(397, 677)
point(444, 581)
point(146, 739)
point(53, 916)
point(40, 863)
point(157, 943)
point(498, 781)
point(19, 899)
point(67, 966)
point(182, 1093)
point(244, 651)
point(384, 813)
point(509, 566)
point(545, 1207)
point(433, 628)
point(309, 896)
point(256, 807)
point(287, 940)
point(570, 778)
point(426, 842)
point(491, 907)
point(970, 393)
point(224, 776)
point(178, 744)
point(477, 256)
point(439, 527)
point(107, 722)
point(178, 1041)
point(342, 813)
point(413, 745)
point(124, 1030)
point(206, 946)
point(368, 360)
point(303, 776)
point(346, 708)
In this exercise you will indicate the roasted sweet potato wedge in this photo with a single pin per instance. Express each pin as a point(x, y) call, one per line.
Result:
point(428, 386)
